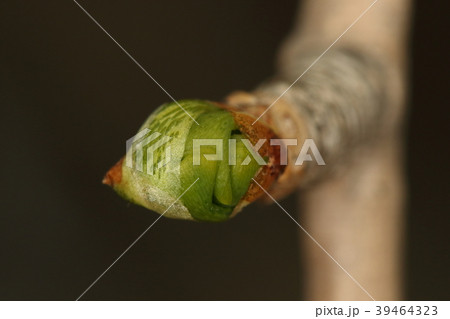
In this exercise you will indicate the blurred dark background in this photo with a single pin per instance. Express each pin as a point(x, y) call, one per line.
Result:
point(69, 100)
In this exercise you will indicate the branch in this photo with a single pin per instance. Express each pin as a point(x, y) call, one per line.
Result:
point(351, 103)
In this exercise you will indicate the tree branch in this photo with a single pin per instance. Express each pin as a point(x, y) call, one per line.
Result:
point(351, 103)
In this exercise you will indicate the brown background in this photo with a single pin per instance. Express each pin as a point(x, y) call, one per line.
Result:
point(70, 98)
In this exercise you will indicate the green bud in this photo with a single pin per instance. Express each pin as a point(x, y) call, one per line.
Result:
point(174, 153)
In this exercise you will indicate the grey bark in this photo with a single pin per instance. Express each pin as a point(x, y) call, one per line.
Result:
point(351, 103)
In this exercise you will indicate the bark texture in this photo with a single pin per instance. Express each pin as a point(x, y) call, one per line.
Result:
point(351, 103)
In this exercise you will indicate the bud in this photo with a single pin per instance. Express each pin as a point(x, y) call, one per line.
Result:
point(170, 152)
